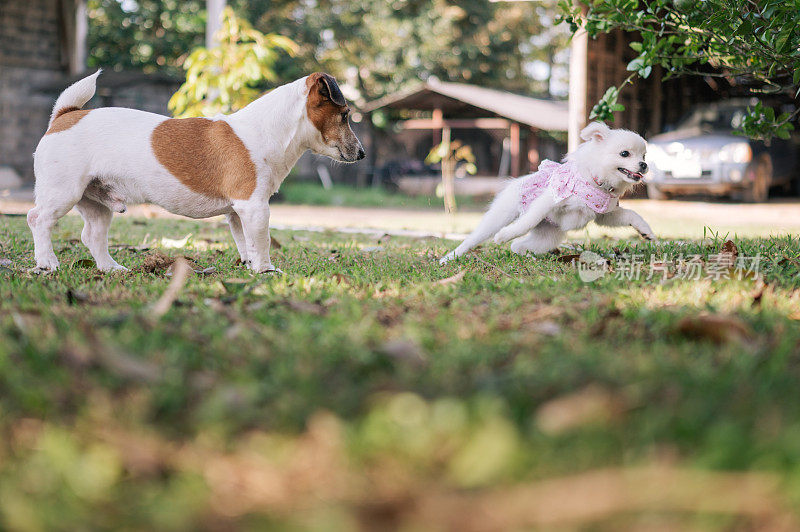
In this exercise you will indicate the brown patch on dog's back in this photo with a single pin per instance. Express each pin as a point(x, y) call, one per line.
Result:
point(323, 113)
point(66, 118)
point(205, 155)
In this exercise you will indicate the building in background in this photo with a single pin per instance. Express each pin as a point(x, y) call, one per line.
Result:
point(508, 133)
point(41, 43)
point(42, 51)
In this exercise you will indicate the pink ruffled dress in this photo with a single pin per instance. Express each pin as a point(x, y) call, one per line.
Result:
point(564, 180)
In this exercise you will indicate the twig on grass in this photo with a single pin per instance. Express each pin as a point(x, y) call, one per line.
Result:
point(180, 272)
point(520, 281)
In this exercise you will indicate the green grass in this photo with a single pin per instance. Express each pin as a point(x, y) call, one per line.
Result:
point(355, 389)
point(304, 193)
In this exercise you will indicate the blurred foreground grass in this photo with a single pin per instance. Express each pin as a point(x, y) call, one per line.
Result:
point(370, 388)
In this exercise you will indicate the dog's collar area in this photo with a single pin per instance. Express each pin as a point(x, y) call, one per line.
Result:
point(603, 186)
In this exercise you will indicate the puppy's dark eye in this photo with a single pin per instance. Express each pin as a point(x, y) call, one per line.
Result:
point(625, 153)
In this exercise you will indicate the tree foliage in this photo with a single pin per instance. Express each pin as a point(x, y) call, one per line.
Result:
point(230, 75)
point(754, 42)
point(381, 46)
point(146, 35)
point(373, 46)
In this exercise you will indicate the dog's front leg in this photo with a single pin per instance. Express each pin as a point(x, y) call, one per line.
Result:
point(529, 219)
point(621, 217)
point(235, 223)
point(254, 216)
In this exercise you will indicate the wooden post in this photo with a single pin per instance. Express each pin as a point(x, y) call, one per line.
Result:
point(448, 174)
point(577, 86)
point(513, 133)
point(438, 125)
point(77, 63)
point(213, 20)
point(534, 157)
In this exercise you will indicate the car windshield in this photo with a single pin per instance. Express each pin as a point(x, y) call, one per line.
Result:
point(714, 118)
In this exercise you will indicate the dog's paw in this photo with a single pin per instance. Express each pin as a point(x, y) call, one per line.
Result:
point(504, 235)
point(269, 268)
point(112, 267)
point(41, 270)
point(518, 248)
point(447, 258)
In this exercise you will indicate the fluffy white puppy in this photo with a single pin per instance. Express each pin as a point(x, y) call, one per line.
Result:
point(538, 209)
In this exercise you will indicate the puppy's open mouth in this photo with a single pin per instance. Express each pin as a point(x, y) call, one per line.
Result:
point(632, 176)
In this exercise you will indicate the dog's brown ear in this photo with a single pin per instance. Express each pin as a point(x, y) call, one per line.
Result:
point(595, 131)
point(329, 89)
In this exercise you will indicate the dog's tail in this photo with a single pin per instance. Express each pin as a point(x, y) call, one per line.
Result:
point(75, 96)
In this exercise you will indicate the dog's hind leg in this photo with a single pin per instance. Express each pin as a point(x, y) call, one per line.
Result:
point(504, 209)
point(235, 224)
point(541, 239)
point(52, 203)
point(96, 221)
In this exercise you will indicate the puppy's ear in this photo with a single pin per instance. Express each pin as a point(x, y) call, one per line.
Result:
point(329, 89)
point(595, 131)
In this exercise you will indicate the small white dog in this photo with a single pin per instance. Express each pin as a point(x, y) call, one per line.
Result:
point(99, 160)
point(562, 197)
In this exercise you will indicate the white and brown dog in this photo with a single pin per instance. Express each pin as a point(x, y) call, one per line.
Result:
point(538, 209)
point(100, 160)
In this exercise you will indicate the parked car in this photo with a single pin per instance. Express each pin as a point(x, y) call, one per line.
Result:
point(702, 155)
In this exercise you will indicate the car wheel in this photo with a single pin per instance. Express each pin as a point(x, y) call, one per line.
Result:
point(653, 192)
point(758, 191)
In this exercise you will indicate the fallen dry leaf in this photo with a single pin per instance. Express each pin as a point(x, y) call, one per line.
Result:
point(568, 259)
point(758, 292)
point(156, 261)
point(83, 263)
point(405, 350)
point(593, 405)
point(718, 329)
point(169, 243)
point(727, 256)
point(341, 278)
point(273, 242)
point(452, 279)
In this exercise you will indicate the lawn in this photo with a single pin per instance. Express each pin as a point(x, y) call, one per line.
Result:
point(367, 387)
point(311, 193)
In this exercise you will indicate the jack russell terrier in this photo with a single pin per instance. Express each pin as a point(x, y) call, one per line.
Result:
point(100, 160)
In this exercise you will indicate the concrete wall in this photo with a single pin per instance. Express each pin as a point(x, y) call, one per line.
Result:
point(30, 57)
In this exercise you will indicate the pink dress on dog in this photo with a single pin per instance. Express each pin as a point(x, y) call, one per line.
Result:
point(564, 181)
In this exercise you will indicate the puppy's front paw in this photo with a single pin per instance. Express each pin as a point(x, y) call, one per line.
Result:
point(269, 268)
point(504, 235)
point(447, 258)
point(518, 248)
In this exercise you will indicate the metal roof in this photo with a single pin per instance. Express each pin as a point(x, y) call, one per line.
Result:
point(549, 115)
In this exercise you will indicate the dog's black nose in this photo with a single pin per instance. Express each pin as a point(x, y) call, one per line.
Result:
point(643, 166)
point(361, 154)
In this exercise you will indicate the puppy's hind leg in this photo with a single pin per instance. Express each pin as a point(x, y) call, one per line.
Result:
point(543, 238)
point(96, 220)
point(504, 209)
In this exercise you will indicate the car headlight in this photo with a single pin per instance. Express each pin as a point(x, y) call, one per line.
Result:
point(736, 152)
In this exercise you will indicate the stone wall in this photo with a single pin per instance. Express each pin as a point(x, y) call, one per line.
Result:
point(30, 57)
